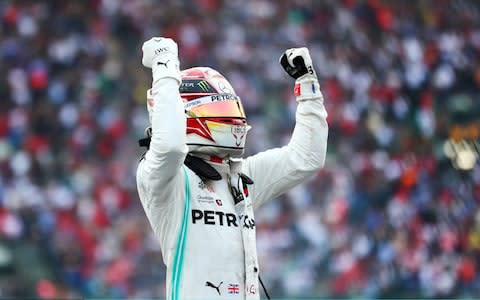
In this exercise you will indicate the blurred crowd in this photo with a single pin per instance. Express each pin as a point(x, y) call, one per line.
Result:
point(388, 216)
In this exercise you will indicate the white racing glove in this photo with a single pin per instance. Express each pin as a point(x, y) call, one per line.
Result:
point(161, 55)
point(298, 64)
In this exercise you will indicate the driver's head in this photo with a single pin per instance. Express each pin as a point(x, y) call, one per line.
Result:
point(216, 122)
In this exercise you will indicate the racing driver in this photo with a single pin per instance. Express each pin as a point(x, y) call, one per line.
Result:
point(199, 195)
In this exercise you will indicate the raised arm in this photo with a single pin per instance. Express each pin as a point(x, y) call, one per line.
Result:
point(161, 167)
point(277, 170)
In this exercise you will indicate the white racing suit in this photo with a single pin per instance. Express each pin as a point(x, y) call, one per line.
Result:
point(208, 241)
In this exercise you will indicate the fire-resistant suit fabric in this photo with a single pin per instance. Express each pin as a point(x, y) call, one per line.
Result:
point(201, 230)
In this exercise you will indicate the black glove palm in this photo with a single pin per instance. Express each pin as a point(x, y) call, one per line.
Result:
point(299, 67)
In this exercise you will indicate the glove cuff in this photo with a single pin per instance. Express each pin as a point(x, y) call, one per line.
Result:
point(166, 67)
point(307, 88)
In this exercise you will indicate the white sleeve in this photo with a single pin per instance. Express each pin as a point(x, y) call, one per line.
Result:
point(160, 172)
point(277, 170)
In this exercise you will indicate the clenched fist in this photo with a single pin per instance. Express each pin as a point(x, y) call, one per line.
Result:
point(161, 55)
point(298, 64)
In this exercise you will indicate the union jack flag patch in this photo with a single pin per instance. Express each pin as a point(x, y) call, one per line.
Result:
point(233, 288)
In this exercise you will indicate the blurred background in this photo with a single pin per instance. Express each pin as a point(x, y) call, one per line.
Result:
point(394, 213)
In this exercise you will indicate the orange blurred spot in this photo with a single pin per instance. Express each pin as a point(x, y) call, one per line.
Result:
point(456, 133)
point(409, 177)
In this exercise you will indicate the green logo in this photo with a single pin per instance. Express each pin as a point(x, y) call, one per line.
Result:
point(204, 86)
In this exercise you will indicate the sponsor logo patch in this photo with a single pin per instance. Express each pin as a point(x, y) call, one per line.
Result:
point(238, 133)
point(203, 85)
point(212, 217)
point(297, 90)
point(203, 185)
point(205, 199)
point(213, 286)
point(252, 290)
point(223, 87)
point(161, 50)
